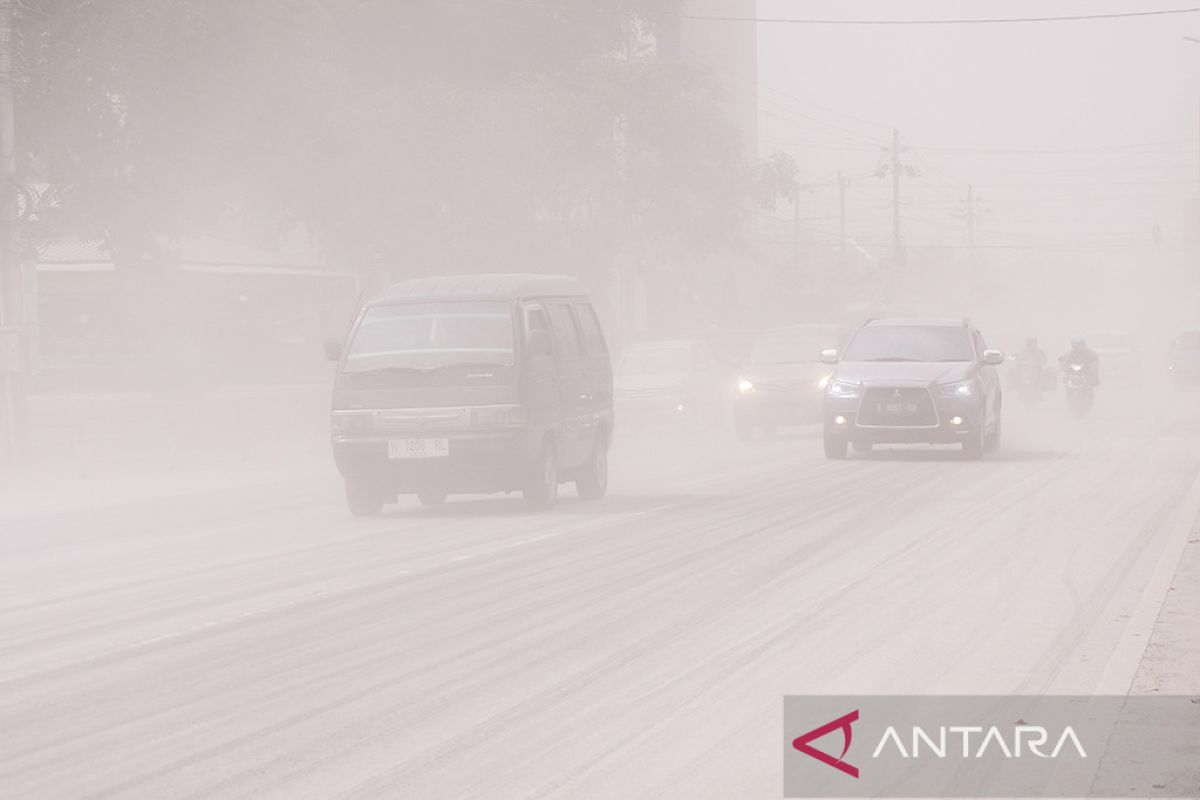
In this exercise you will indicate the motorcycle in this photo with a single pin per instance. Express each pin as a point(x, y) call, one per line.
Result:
point(1031, 381)
point(1080, 390)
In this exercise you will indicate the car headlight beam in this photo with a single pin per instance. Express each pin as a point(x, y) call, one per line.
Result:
point(840, 388)
point(958, 389)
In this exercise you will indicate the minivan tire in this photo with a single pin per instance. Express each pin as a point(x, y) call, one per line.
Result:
point(431, 498)
point(363, 499)
point(540, 490)
point(591, 482)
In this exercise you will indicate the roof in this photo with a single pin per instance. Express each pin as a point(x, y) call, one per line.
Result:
point(513, 285)
point(665, 344)
point(948, 322)
point(792, 330)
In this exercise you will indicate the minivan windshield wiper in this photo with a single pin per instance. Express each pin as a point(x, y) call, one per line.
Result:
point(360, 373)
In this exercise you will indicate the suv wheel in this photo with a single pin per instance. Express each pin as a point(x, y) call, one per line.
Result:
point(541, 484)
point(993, 441)
point(592, 481)
point(973, 447)
point(836, 446)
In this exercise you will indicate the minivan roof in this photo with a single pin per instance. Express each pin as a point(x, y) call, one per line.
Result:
point(512, 286)
point(959, 322)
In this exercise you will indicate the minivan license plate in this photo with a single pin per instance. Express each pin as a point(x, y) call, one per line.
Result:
point(418, 448)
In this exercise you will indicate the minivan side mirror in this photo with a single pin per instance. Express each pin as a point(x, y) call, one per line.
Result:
point(333, 349)
point(993, 357)
point(537, 343)
point(829, 356)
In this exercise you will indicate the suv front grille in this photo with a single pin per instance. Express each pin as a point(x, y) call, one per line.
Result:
point(897, 408)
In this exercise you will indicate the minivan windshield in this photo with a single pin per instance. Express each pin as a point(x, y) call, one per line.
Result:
point(791, 348)
point(910, 343)
point(429, 336)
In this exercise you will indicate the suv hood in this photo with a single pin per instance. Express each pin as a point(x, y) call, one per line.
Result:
point(894, 373)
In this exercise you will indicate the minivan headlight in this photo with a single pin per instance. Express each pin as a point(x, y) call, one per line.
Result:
point(958, 389)
point(841, 388)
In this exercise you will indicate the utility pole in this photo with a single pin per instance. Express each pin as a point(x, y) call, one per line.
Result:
point(841, 219)
point(897, 246)
point(971, 227)
point(12, 386)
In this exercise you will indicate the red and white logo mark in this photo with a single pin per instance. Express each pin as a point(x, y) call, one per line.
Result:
point(801, 743)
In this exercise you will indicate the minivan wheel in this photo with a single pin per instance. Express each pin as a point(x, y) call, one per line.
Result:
point(431, 498)
point(541, 484)
point(592, 481)
point(363, 499)
point(836, 446)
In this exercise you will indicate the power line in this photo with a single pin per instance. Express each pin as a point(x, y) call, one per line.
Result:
point(837, 21)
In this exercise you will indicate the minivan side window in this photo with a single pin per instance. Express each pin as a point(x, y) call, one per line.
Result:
point(535, 319)
point(593, 335)
point(567, 343)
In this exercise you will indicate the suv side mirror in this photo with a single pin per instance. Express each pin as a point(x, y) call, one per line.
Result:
point(993, 357)
point(537, 343)
point(829, 356)
point(333, 349)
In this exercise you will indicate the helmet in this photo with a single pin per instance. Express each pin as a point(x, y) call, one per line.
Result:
point(1078, 343)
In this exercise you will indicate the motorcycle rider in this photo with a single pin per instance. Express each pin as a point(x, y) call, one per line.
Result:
point(1030, 364)
point(1080, 353)
point(1031, 355)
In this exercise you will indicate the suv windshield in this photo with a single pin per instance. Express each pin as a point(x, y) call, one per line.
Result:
point(656, 361)
point(791, 349)
point(428, 336)
point(910, 343)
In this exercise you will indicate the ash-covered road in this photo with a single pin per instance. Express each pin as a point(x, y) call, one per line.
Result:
point(260, 642)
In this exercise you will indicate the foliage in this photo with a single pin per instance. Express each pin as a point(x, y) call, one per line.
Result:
point(416, 136)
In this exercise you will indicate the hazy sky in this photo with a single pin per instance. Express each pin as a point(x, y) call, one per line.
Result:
point(961, 95)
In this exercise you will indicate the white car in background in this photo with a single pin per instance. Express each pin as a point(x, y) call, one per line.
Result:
point(1120, 358)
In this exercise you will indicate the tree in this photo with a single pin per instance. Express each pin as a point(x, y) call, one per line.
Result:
point(418, 136)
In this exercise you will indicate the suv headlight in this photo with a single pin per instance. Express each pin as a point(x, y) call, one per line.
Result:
point(840, 388)
point(350, 421)
point(958, 389)
point(745, 386)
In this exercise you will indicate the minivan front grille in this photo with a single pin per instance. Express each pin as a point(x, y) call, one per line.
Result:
point(897, 407)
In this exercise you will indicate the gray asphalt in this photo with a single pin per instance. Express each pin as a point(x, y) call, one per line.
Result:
point(259, 642)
